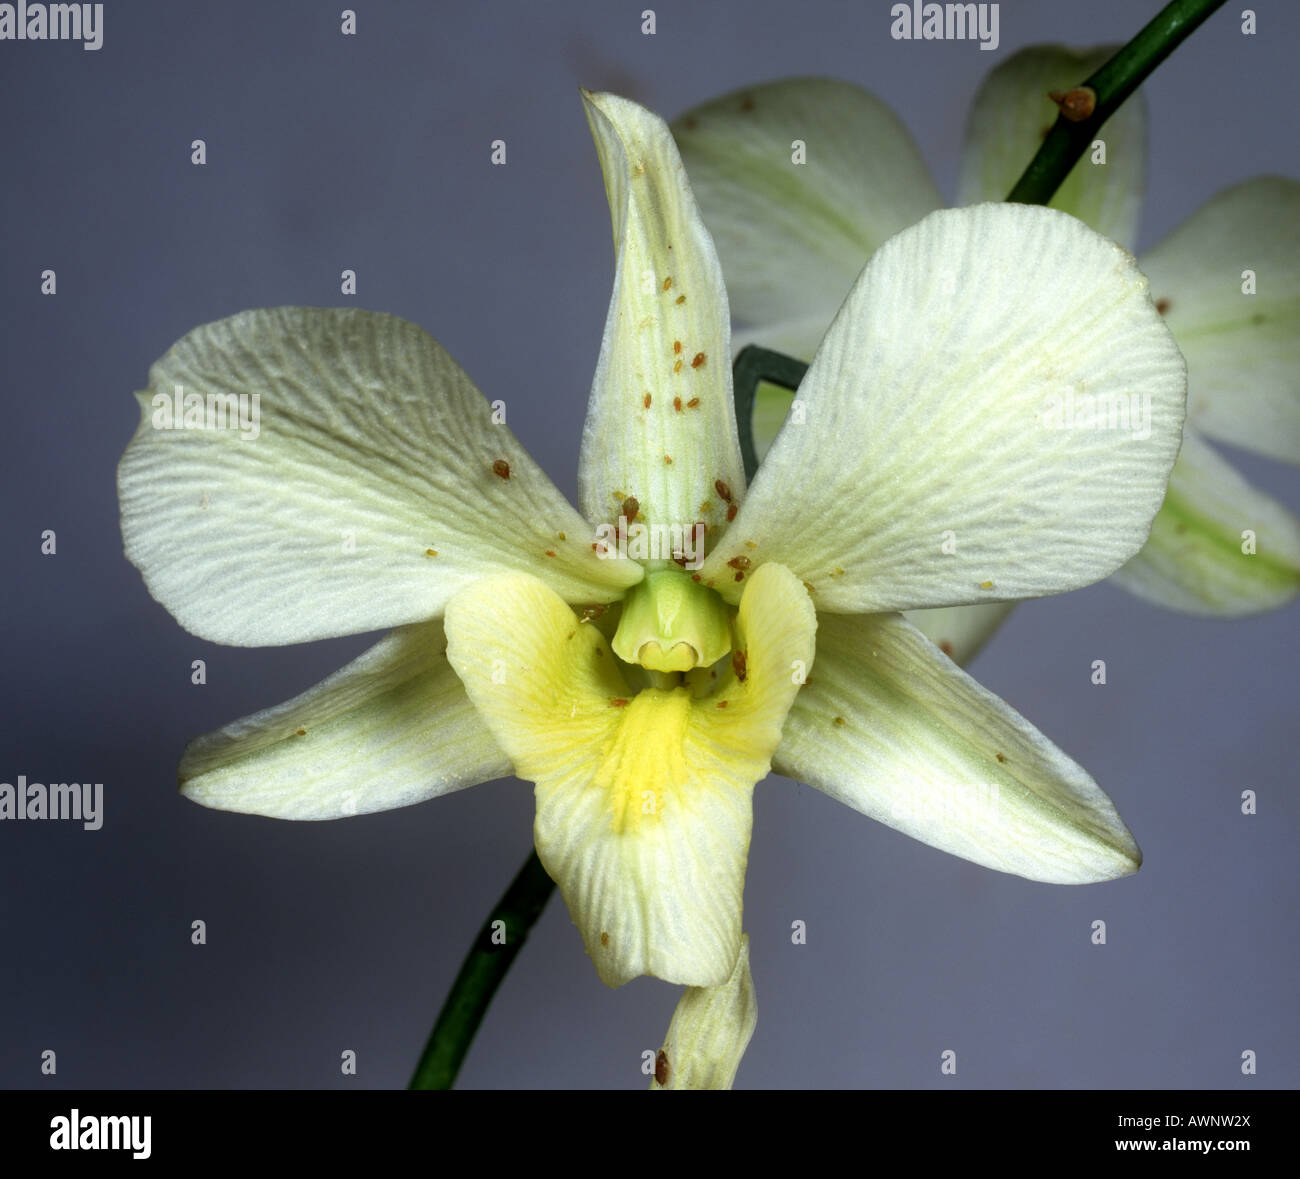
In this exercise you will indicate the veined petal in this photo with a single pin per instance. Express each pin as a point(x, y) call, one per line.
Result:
point(992, 415)
point(710, 1030)
point(661, 426)
point(366, 483)
point(794, 235)
point(894, 729)
point(643, 801)
point(1218, 546)
point(1243, 350)
point(960, 632)
point(1012, 114)
point(393, 727)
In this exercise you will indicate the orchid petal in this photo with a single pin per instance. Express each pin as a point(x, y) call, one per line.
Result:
point(893, 728)
point(796, 234)
point(643, 800)
point(1219, 546)
point(661, 424)
point(1243, 350)
point(945, 455)
point(392, 728)
point(372, 485)
point(710, 1030)
point(960, 632)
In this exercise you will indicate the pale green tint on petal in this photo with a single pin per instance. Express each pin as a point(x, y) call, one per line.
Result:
point(1012, 114)
point(950, 451)
point(1243, 351)
point(960, 632)
point(794, 236)
point(393, 727)
point(661, 424)
point(644, 800)
point(370, 486)
point(710, 1030)
point(893, 728)
point(771, 404)
point(1195, 560)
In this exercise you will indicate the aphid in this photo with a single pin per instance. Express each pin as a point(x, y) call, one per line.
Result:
point(694, 401)
point(680, 300)
point(677, 366)
point(550, 552)
point(430, 552)
point(732, 509)
point(1077, 104)
point(501, 469)
point(724, 492)
point(721, 704)
point(661, 1067)
point(560, 536)
point(604, 938)
point(697, 360)
point(739, 562)
point(668, 459)
point(591, 612)
point(630, 508)
point(750, 544)
point(740, 576)
point(302, 733)
point(738, 663)
point(839, 720)
point(986, 585)
point(1162, 305)
point(695, 577)
point(646, 401)
point(946, 647)
point(677, 401)
point(677, 347)
point(668, 282)
point(618, 702)
point(1001, 756)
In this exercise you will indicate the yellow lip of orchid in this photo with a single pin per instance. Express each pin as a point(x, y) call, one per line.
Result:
point(384, 489)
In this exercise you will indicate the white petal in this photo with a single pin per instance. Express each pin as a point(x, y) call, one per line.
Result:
point(1218, 546)
point(793, 237)
point(945, 456)
point(644, 801)
point(893, 728)
point(960, 632)
point(364, 494)
point(1243, 351)
point(710, 1030)
point(1011, 115)
point(661, 424)
point(393, 727)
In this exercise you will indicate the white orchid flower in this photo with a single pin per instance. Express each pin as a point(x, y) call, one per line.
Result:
point(793, 238)
point(923, 415)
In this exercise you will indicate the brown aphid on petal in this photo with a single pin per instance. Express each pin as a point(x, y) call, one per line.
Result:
point(698, 360)
point(630, 508)
point(732, 509)
point(738, 663)
point(501, 469)
point(724, 492)
point(661, 1067)
point(739, 562)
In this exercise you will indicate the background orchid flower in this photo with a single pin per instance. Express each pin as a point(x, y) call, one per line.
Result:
point(384, 490)
point(792, 237)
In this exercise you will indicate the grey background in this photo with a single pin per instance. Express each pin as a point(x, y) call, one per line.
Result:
point(371, 152)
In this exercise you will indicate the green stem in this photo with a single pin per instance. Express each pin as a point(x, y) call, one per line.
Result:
point(752, 365)
point(480, 974)
point(1112, 84)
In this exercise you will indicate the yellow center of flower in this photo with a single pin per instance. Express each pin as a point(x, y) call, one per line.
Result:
point(671, 623)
